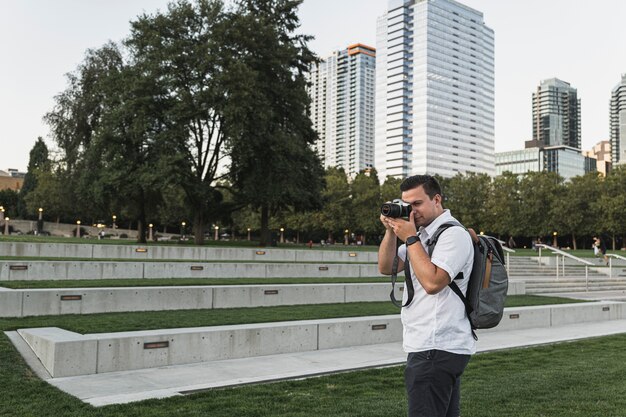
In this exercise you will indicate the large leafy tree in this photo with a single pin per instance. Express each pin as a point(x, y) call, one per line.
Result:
point(183, 49)
point(505, 206)
point(574, 213)
point(335, 214)
point(609, 207)
point(273, 165)
point(539, 192)
point(38, 162)
point(466, 196)
point(366, 201)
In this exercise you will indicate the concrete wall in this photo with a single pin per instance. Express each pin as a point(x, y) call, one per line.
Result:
point(200, 253)
point(54, 301)
point(77, 270)
point(66, 353)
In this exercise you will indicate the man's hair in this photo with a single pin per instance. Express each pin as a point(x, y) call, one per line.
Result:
point(430, 184)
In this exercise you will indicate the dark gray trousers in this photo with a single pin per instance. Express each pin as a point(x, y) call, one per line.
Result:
point(433, 383)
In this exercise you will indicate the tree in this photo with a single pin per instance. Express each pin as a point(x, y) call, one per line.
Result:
point(504, 207)
point(611, 203)
point(272, 163)
point(366, 202)
point(183, 50)
point(539, 192)
point(573, 212)
point(335, 214)
point(466, 196)
point(38, 162)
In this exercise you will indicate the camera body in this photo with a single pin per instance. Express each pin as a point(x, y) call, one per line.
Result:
point(396, 208)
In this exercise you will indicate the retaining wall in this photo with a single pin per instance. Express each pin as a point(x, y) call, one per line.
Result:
point(66, 353)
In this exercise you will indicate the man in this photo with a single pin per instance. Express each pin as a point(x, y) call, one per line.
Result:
point(437, 334)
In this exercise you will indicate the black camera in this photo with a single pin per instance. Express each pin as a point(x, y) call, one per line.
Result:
point(396, 208)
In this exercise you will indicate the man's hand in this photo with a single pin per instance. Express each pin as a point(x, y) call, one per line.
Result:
point(400, 227)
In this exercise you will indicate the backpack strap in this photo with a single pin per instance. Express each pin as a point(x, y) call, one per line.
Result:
point(453, 285)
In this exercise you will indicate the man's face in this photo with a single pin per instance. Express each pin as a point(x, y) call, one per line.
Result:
point(425, 210)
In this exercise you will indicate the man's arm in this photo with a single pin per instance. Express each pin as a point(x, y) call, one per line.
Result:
point(387, 250)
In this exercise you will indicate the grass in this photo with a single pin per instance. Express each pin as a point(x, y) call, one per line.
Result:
point(577, 379)
point(147, 320)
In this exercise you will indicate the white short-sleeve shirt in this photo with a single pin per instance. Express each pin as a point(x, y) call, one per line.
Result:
point(439, 321)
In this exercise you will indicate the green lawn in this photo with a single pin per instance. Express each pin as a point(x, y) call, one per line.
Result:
point(577, 379)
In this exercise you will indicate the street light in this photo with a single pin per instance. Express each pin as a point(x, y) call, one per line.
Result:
point(182, 229)
point(554, 241)
point(1, 213)
point(217, 228)
point(345, 240)
point(77, 228)
point(6, 225)
point(282, 236)
point(248, 234)
point(40, 221)
point(114, 218)
point(150, 232)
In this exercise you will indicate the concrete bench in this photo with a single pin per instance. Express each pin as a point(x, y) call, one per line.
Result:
point(139, 252)
point(75, 270)
point(66, 353)
point(53, 301)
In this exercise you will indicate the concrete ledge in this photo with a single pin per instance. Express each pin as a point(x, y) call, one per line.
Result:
point(139, 252)
point(66, 353)
point(54, 301)
point(75, 270)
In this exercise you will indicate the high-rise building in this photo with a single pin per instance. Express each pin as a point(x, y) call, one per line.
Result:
point(556, 114)
point(434, 90)
point(618, 122)
point(601, 153)
point(566, 161)
point(342, 89)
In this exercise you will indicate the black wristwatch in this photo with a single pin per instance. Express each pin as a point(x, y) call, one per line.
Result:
point(411, 240)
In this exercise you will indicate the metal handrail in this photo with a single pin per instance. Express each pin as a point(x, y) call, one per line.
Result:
point(564, 255)
point(507, 250)
point(612, 255)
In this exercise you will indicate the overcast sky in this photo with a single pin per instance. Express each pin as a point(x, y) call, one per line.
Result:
point(583, 43)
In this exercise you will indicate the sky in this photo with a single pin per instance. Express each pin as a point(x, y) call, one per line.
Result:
point(583, 43)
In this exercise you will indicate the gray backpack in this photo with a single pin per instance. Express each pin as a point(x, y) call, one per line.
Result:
point(487, 286)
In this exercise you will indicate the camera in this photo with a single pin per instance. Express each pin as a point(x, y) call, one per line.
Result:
point(396, 208)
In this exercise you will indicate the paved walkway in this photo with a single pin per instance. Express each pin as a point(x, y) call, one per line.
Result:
point(128, 386)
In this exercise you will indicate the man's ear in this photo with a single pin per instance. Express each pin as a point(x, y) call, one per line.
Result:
point(438, 199)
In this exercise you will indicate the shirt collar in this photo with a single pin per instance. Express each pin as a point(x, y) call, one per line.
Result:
point(428, 231)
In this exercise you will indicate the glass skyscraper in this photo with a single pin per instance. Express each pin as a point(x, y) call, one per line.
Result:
point(342, 90)
point(434, 90)
point(618, 122)
point(556, 114)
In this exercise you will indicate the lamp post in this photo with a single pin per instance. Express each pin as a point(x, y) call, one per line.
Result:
point(77, 228)
point(554, 240)
point(6, 225)
point(248, 234)
point(182, 229)
point(114, 219)
point(1, 213)
point(217, 229)
point(40, 221)
point(345, 240)
point(282, 235)
point(150, 231)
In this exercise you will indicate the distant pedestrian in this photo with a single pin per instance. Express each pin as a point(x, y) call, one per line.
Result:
point(310, 244)
point(600, 248)
point(511, 243)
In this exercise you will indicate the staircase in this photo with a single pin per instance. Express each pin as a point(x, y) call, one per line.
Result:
point(542, 279)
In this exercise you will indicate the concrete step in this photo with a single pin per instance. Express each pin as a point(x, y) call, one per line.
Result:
point(196, 253)
point(166, 381)
point(64, 353)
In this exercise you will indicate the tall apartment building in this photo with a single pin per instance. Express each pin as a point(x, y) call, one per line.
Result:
point(434, 90)
point(618, 122)
point(556, 114)
point(601, 152)
point(341, 88)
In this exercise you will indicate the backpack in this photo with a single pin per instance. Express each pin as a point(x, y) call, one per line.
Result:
point(487, 286)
